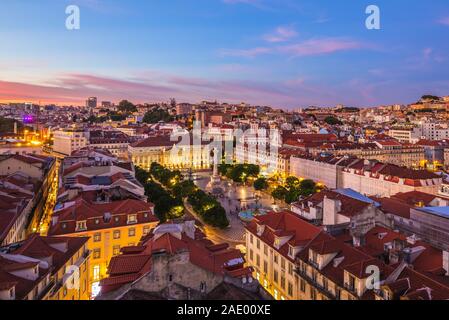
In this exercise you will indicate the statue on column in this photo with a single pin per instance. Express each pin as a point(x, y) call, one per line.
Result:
point(216, 186)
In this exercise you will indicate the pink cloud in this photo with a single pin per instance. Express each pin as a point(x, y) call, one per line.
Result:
point(281, 34)
point(444, 21)
point(321, 46)
point(246, 53)
point(311, 47)
point(153, 87)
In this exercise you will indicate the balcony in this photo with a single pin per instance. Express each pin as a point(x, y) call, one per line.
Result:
point(314, 283)
point(314, 264)
point(350, 287)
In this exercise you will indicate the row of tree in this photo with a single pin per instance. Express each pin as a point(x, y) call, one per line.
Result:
point(167, 206)
point(169, 200)
point(165, 176)
point(239, 173)
point(157, 115)
point(293, 189)
point(210, 210)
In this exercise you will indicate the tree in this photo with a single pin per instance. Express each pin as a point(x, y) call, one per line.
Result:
point(114, 116)
point(224, 169)
point(333, 121)
point(252, 170)
point(292, 182)
point(292, 195)
point(261, 184)
point(307, 187)
point(237, 174)
point(142, 175)
point(126, 107)
point(279, 193)
point(184, 189)
point(173, 103)
point(430, 97)
point(209, 209)
point(156, 116)
point(216, 217)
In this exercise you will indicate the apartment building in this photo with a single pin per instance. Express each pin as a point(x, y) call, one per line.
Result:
point(177, 261)
point(406, 135)
point(109, 226)
point(178, 153)
point(66, 141)
point(296, 260)
point(45, 268)
point(116, 142)
point(368, 177)
point(25, 183)
point(388, 151)
point(435, 131)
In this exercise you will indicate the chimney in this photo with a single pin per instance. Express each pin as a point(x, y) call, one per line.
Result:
point(358, 240)
point(54, 220)
point(331, 208)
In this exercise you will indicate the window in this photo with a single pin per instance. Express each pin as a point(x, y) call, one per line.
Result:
point(282, 263)
point(170, 278)
point(116, 234)
point(282, 282)
point(290, 289)
point(97, 253)
point(97, 237)
point(265, 267)
point(132, 218)
point(258, 244)
point(265, 249)
point(257, 260)
point(312, 294)
point(64, 291)
point(96, 273)
point(314, 257)
point(251, 254)
point(290, 269)
point(251, 239)
point(116, 250)
point(131, 232)
point(337, 294)
point(276, 258)
point(146, 230)
point(275, 276)
point(303, 285)
point(351, 283)
point(81, 225)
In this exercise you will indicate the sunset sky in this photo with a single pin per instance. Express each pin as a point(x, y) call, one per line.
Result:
point(283, 53)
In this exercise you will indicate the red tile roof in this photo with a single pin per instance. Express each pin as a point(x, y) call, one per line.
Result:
point(202, 253)
point(95, 213)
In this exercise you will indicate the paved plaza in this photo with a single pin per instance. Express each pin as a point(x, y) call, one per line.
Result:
point(235, 200)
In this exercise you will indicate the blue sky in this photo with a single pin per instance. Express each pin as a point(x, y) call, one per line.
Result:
point(284, 53)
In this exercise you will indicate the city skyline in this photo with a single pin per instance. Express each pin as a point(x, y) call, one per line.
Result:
point(289, 54)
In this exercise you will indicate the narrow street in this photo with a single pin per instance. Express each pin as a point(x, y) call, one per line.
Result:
point(50, 202)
